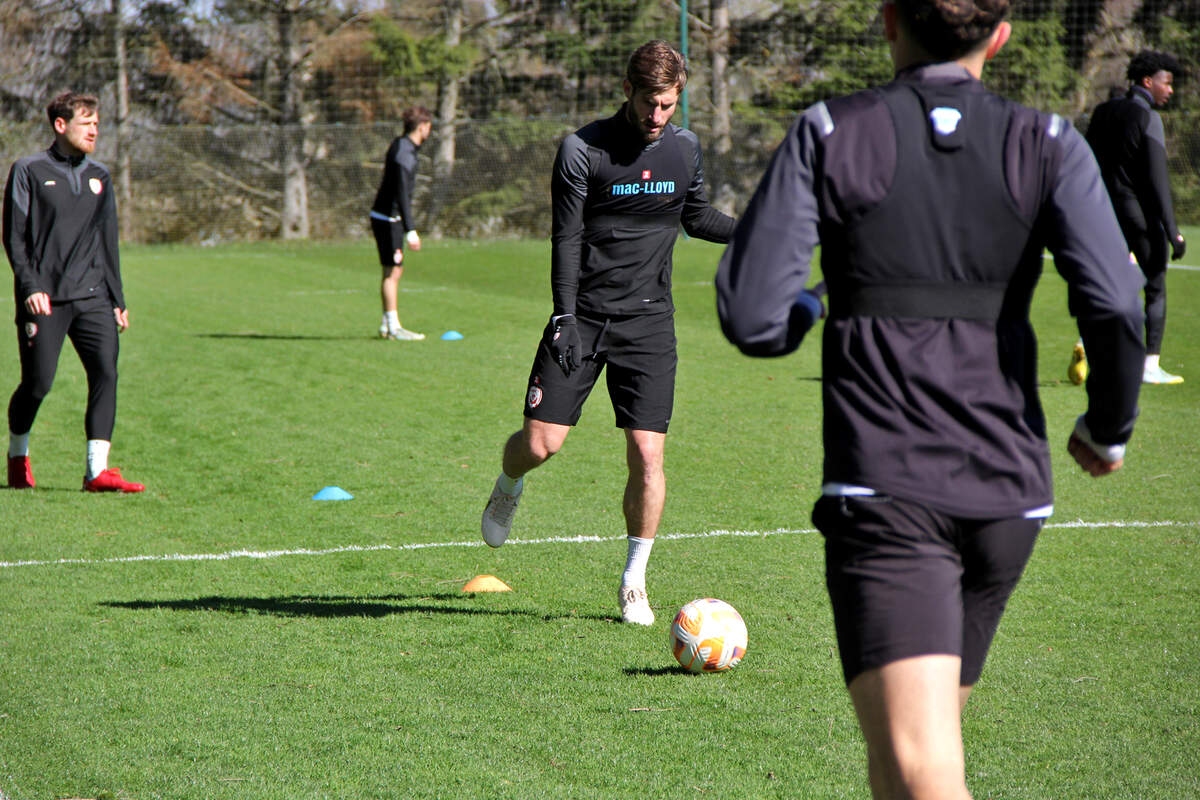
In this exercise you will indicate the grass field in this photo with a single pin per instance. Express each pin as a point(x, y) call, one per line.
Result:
point(225, 636)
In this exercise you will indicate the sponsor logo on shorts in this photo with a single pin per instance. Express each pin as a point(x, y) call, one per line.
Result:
point(534, 398)
point(30, 330)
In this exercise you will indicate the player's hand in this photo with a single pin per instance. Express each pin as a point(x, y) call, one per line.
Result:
point(565, 344)
point(1178, 247)
point(819, 292)
point(38, 303)
point(122, 317)
point(414, 241)
point(1096, 459)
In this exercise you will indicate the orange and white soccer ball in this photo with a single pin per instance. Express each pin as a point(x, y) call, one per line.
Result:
point(708, 635)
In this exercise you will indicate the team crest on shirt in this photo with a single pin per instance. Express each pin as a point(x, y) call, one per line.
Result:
point(534, 398)
point(95, 185)
point(30, 330)
point(945, 120)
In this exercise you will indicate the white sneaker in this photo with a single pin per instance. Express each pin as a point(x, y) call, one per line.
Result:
point(402, 334)
point(1159, 375)
point(498, 514)
point(635, 606)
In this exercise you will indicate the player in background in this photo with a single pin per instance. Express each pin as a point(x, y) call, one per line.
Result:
point(620, 189)
point(1126, 134)
point(60, 234)
point(392, 220)
point(932, 200)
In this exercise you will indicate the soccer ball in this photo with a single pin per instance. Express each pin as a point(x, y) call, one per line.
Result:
point(708, 635)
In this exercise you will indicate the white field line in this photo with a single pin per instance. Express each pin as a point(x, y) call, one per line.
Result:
point(303, 551)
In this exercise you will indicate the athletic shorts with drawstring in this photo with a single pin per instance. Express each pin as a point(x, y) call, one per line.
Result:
point(637, 354)
point(905, 580)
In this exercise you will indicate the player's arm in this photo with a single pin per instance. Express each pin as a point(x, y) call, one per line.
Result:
point(109, 236)
point(1103, 296)
point(1161, 206)
point(406, 160)
point(762, 304)
point(18, 242)
point(701, 220)
point(568, 194)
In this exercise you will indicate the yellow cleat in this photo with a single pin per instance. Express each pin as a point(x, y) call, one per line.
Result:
point(1078, 370)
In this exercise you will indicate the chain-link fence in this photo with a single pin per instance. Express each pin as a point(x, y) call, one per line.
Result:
point(213, 122)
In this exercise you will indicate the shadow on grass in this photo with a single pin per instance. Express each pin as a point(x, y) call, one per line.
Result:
point(284, 337)
point(338, 607)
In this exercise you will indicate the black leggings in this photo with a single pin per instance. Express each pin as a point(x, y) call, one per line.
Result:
point(92, 328)
point(1150, 248)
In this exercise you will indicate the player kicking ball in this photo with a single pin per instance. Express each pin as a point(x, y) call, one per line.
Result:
point(623, 185)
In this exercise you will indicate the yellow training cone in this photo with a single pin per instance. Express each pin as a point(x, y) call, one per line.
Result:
point(486, 583)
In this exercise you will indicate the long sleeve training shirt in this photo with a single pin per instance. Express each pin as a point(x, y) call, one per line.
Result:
point(932, 200)
point(60, 229)
point(618, 203)
point(393, 200)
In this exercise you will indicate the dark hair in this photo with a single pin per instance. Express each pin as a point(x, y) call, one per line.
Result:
point(415, 116)
point(656, 67)
point(1151, 62)
point(66, 104)
point(949, 29)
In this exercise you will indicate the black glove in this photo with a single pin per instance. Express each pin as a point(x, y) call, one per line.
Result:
point(565, 344)
point(1178, 247)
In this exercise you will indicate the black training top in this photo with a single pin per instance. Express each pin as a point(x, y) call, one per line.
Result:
point(1126, 134)
point(393, 201)
point(618, 203)
point(60, 229)
point(932, 200)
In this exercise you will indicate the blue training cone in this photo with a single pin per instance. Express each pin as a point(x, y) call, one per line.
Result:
point(333, 493)
point(451, 336)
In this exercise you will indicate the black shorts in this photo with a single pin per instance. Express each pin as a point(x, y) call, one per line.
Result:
point(906, 581)
point(639, 352)
point(389, 237)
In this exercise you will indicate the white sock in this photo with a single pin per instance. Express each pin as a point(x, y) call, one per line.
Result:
point(1152, 362)
point(97, 457)
point(391, 319)
point(509, 485)
point(636, 561)
point(18, 444)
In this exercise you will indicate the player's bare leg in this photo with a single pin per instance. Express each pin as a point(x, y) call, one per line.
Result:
point(526, 449)
point(910, 715)
point(645, 496)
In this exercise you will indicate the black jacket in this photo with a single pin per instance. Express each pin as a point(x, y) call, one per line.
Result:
point(932, 200)
point(618, 203)
point(1126, 134)
point(60, 229)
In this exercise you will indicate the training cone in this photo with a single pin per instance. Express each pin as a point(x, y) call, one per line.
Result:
point(333, 493)
point(486, 583)
point(451, 336)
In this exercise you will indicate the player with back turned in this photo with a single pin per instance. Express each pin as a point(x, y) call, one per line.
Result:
point(932, 200)
point(620, 189)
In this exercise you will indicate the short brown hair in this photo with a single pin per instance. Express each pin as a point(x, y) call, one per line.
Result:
point(949, 29)
point(66, 104)
point(415, 116)
point(657, 66)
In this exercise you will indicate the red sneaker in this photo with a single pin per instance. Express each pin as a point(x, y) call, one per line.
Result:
point(20, 473)
point(111, 481)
